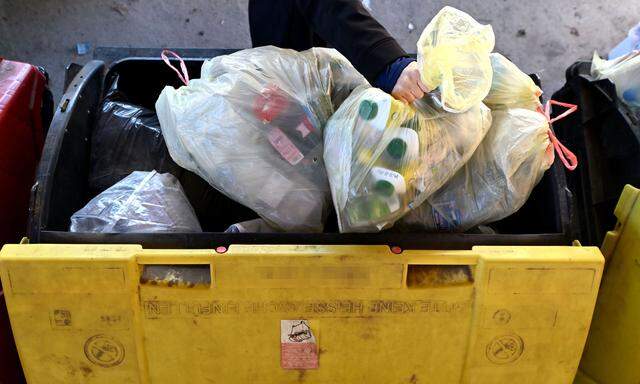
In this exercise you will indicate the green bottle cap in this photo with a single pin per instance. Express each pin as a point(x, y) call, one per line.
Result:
point(397, 148)
point(383, 187)
point(368, 109)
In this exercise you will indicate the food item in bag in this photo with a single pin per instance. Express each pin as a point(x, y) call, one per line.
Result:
point(252, 127)
point(126, 138)
point(141, 202)
point(510, 87)
point(498, 179)
point(453, 56)
point(288, 126)
point(384, 157)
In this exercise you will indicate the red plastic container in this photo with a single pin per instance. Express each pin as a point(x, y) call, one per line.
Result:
point(21, 140)
point(10, 369)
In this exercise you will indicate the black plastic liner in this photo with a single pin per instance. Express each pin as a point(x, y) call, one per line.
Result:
point(126, 138)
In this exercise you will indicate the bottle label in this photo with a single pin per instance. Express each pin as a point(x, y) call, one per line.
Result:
point(270, 103)
point(392, 177)
point(285, 146)
point(388, 174)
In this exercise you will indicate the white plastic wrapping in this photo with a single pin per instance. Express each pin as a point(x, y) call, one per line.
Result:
point(624, 72)
point(252, 127)
point(251, 226)
point(141, 202)
point(498, 179)
point(453, 56)
point(510, 87)
point(384, 157)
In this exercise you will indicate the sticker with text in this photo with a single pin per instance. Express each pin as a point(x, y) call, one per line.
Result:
point(298, 345)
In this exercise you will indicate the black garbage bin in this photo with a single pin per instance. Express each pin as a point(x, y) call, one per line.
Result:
point(62, 183)
point(605, 135)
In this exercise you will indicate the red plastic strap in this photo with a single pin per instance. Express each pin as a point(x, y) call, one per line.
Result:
point(184, 76)
point(568, 158)
point(547, 110)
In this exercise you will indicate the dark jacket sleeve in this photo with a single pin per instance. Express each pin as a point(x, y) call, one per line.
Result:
point(347, 26)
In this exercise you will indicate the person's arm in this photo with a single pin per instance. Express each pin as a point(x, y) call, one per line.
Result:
point(347, 26)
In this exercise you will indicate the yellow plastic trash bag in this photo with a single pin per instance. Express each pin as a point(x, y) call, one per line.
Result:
point(511, 88)
point(384, 157)
point(498, 179)
point(453, 55)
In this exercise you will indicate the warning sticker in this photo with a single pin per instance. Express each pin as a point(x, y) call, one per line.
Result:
point(298, 345)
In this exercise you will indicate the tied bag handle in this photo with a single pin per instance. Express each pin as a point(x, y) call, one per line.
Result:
point(184, 75)
point(568, 158)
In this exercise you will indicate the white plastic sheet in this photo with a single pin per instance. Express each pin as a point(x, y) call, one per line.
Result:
point(251, 226)
point(624, 72)
point(141, 202)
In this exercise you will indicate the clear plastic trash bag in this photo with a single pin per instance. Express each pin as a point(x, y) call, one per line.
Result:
point(498, 179)
point(342, 77)
point(453, 56)
point(510, 87)
point(384, 157)
point(624, 72)
point(251, 226)
point(141, 202)
point(252, 127)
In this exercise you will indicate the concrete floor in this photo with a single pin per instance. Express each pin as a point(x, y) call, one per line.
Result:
point(540, 36)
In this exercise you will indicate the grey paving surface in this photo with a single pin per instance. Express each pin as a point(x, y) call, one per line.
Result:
point(540, 36)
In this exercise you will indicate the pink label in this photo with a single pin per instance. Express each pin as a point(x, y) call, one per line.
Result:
point(304, 131)
point(298, 345)
point(285, 146)
point(305, 127)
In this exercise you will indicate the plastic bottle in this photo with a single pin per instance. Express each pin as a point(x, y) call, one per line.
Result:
point(383, 112)
point(627, 45)
point(631, 96)
point(387, 183)
point(290, 129)
point(383, 193)
point(369, 209)
point(402, 151)
point(383, 197)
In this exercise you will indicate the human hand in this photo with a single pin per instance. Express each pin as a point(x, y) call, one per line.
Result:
point(409, 86)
